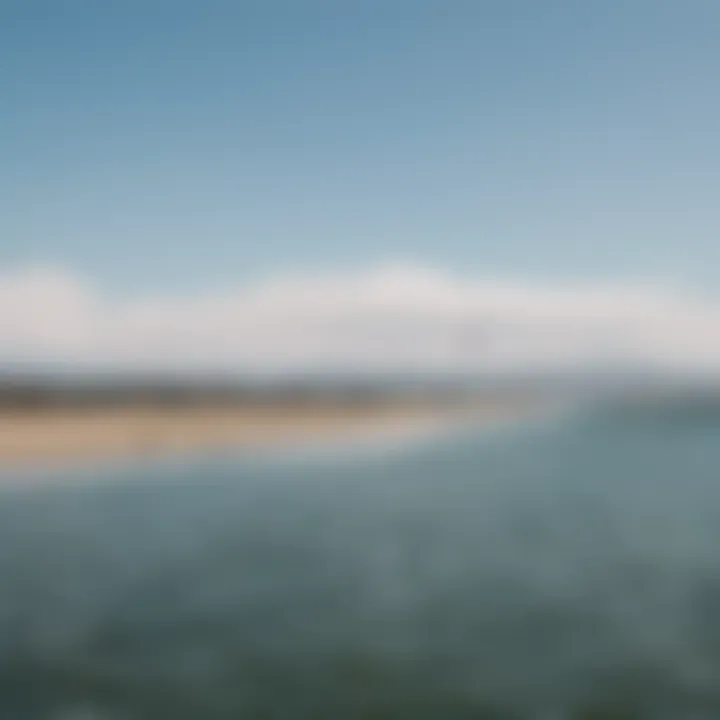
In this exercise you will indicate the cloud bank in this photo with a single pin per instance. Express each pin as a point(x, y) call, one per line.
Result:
point(388, 318)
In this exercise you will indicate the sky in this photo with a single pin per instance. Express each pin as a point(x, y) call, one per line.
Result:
point(180, 153)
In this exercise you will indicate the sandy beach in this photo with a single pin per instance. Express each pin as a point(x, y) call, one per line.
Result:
point(59, 435)
point(56, 436)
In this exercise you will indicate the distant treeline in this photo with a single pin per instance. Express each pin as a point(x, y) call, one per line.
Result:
point(43, 394)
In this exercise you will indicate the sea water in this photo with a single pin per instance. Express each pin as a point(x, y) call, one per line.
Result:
point(549, 570)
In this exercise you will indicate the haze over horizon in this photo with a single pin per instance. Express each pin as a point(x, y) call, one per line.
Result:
point(417, 185)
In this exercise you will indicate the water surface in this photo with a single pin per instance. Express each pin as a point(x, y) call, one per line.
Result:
point(555, 570)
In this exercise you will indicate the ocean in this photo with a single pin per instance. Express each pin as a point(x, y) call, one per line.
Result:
point(547, 570)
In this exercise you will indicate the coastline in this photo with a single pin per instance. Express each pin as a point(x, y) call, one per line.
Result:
point(60, 438)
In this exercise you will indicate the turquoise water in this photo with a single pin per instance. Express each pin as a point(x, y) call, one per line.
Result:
point(557, 570)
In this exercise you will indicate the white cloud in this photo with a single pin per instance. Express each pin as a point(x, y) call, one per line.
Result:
point(390, 317)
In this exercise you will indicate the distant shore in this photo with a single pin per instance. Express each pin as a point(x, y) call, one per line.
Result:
point(47, 436)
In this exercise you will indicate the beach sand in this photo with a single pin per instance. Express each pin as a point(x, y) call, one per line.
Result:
point(57, 436)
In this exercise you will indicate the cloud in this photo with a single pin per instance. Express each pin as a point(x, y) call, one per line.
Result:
point(391, 317)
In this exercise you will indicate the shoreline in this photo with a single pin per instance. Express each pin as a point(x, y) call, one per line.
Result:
point(49, 440)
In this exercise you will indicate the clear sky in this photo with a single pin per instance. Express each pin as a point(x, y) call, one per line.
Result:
point(176, 143)
point(159, 159)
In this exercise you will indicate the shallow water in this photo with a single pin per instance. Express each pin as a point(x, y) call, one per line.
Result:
point(564, 570)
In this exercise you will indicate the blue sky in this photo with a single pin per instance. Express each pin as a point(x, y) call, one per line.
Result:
point(174, 144)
